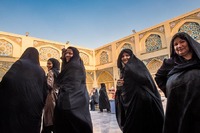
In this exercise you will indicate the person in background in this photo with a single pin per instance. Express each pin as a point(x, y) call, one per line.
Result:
point(179, 79)
point(138, 104)
point(72, 113)
point(112, 92)
point(53, 66)
point(23, 91)
point(104, 102)
point(93, 99)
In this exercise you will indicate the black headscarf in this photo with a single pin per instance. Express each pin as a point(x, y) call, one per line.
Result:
point(136, 65)
point(31, 54)
point(193, 44)
point(119, 60)
point(103, 85)
point(176, 63)
point(56, 66)
point(75, 58)
point(72, 109)
point(180, 64)
point(179, 80)
point(138, 103)
point(23, 91)
point(103, 98)
point(66, 65)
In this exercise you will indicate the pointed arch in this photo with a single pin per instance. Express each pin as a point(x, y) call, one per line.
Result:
point(153, 43)
point(107, 78)
point(9, 48)
point(126, 45)
point(85, 58)
point(89, 82)
point(48, 52)
point(154, 65)
point(4, 67)
point(192, 28)
point(104, 57)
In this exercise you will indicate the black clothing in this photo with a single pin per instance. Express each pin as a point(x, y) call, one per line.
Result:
point(92, 105)
point(23, 92)
point(104, 102)
point(138, 103)
point(96, 97)
point(72, 109)
point(48, 129)
point(181, 84)
point(94, 100)
point(162, 74)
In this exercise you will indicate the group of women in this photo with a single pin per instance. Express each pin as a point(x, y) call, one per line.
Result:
point(29, 99)
point(138, 103)
point(25, 92)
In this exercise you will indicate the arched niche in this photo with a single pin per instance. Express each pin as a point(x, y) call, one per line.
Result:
point(142, 43)
point(12, 49)
point(85, 57)
point(103, 57)
point(154, 65)
point(89, 81)
point(181, 23)
point(4, 67)
point(107, 78)
point(47, 52)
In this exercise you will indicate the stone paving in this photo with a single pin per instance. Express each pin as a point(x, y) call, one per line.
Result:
point(104, 122)
point(107, 123)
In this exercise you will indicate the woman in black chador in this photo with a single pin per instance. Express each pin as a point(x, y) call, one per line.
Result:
point(138, 103)
point(22, 95)
point(103, 99)
point(179, 79)
point(93, 99)
point(72, 109)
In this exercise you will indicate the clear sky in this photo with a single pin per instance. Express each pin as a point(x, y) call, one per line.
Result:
point(87, 23)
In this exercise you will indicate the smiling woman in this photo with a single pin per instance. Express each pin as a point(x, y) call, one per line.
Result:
point(72, 108)
point(179, 79)
point(138, 103)
point(181, 47)
point(125, 58)
point(69, 54)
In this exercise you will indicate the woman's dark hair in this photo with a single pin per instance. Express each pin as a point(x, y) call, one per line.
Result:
point(181, 35)
point(55, 62)
point(56, 66)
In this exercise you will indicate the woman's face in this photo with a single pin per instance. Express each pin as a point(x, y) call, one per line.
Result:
point(69, 54)
point(49, 65)
point(125, 57)
point(181, 48)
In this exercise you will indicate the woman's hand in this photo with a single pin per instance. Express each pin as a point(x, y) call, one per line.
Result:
point(120, 82)
point(63, 54)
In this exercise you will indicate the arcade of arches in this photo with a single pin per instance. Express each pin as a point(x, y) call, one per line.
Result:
point(150, 45)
